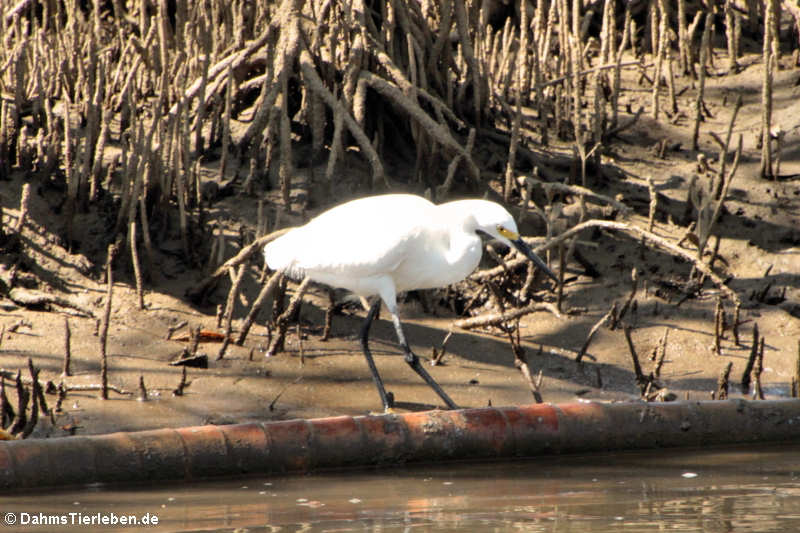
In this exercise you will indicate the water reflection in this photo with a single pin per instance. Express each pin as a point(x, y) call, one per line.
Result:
point(754, 489)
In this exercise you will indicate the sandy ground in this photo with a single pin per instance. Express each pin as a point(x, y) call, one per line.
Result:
point(760, 248)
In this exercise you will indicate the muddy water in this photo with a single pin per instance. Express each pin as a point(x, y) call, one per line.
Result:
point(718, 490)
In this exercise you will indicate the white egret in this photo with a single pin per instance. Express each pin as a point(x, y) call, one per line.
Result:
point(383, 245)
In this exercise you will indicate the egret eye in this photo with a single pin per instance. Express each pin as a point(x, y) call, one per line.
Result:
point(502, 230)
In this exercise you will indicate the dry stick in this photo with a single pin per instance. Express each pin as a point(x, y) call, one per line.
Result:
point(97, 165)
point(34, 298)
point(72, 177)
point(433, 128)
point(521, 363)
point(230, 302)
point(141, 394)
point(65, 369)
point(611, 132)
point(641, 379)
point(632, 295)
point(541, 109)
point(315, 84)
point(796, 377)
point(329, 312)
point(618, 226)
point(442, 35)
point(284, 54)
point(410, 88)
point(683, 41)
point(288, 313)
point(562, 264)
point(512, 149)
point(758, 366)
point(22, 405)
point(194, 335)
point(438, 355)
point(258, 303)
point(523, 77)
point(660, 52)
point(201, 101)
point(651, 218)
point(24, 200)
point(766, 92)
point(719, 326)
point(723, 177)
point(463, 30)
point(661, 353)
point(299, 335)
point(172, 329)
point(62, 395)
point(280, 393)
point(285, 167)
point(181, 384)
point(728, 179)
point(34, 418)
point(278, 304)
point(673, 100)
point(612, 311)
point(6, 410)
point(137, 270)
point(234, 60)
point(723, 382)
point(98, 387)
point(750, 361)
point(495, 319)
point(335, 149)
point(698, 117)
point(736, 311)
point(588, 194)
point(616, 77)
point(730, 37)
point(226, 126)
point(443, 189)
point(148, 245)
point(106, 320)
point(243, 255)
point(37, 387)
point(180, 180)
point(585, 72)
point(16, 11)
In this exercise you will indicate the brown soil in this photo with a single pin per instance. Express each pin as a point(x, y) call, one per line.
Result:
point(760, 249)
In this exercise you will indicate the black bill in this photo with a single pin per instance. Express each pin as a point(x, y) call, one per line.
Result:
point(525, 250)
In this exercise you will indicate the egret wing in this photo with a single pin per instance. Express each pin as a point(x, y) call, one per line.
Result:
point(362, 238)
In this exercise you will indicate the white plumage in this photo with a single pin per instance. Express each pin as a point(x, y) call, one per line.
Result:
point(382, 245)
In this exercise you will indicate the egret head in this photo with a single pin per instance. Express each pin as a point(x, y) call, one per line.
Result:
point(495, 221)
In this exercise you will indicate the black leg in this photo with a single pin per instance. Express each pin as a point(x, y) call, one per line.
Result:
point(387, 399)
point(413, 362)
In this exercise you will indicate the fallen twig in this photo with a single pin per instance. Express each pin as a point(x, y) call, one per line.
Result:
point(495, 319)
point(280, 393)
point(612, 311)
point(723, 382)
point(617, 226)
point(34, 298)
point(748, 369)
point(199, 291)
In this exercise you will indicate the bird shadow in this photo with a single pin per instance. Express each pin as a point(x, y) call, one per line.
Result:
point(468, 349)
